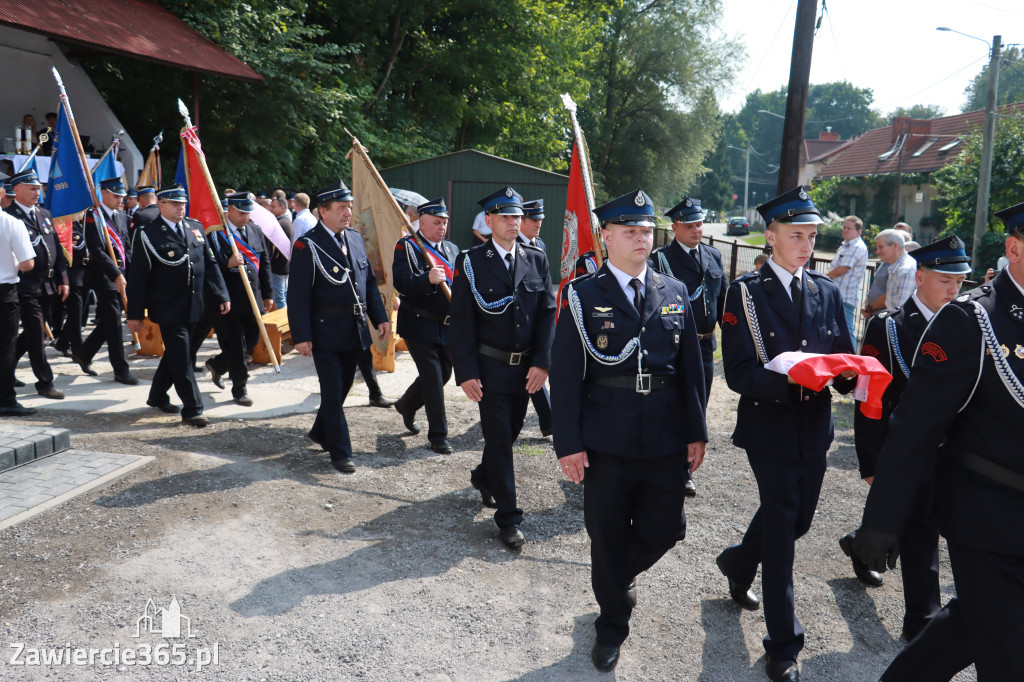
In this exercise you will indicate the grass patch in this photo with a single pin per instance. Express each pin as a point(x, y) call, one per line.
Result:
point(755, 239)
point(530, 450)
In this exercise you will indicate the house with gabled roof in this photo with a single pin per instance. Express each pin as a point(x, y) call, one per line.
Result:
point(896, 162)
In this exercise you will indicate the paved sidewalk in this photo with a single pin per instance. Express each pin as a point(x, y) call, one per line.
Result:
point(48, 482)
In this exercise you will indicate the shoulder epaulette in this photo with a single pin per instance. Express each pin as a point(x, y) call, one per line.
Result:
point(747, 276)
point(535, 248)
point(476, 248)
point(815, 273)
point(976, 293)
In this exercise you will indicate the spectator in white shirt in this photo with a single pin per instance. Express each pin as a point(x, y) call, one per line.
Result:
point(902, 268)
point(848, 267)
point(16, 255)
point(304, 220)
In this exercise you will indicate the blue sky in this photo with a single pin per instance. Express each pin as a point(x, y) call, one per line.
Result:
point(890, 46)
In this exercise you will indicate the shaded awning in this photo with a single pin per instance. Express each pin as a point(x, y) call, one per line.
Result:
point(132, 28)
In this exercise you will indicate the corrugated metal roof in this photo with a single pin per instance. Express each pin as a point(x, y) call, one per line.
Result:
point(134, 28)
point(862, 156)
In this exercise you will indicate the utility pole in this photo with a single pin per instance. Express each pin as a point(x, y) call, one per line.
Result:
point(746, 184)
point(985, 176)
point(796, 96)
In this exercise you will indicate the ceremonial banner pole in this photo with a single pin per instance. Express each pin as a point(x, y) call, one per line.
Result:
point(43, 138)
point(416, 236)
point(101, 221)
point(588, 181)
point(231, 240)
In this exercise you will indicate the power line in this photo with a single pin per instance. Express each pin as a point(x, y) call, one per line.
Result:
point(998, 9)
point(769, 48)
point(943, 80)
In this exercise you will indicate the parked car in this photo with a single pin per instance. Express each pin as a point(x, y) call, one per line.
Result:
point(738, 226)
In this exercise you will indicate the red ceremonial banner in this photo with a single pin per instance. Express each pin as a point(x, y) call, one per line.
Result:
point(577, 237)
point(201, 196)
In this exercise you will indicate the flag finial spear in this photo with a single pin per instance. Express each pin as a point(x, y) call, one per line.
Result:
point(183, 110)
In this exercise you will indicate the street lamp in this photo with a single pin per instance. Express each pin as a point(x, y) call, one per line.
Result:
point(985, 175)
point(746, 177)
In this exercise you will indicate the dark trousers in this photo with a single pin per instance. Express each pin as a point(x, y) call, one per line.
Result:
point(501, 420)
point(55, 314)
point(633, 509)
point(107, 330)
point(201, 329)
point(335, 370)
point(788, 493)
point(983, 624)
point(434, 368)
point(919, 563)
point(175, 369)
point(9, 314)
point(542, 405)
point(70, 336)
point(33, 336)
point(236, 334)
point(365, 362)
point(707, 356)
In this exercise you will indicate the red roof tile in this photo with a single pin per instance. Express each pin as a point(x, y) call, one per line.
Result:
point(134, 28)
point(817, 149)
point(922, 148)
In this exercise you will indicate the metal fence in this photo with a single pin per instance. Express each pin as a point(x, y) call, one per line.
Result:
point(738, 258)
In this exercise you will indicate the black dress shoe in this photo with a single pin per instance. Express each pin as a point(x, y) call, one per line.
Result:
point(442, 447)
point(86, 366)
point(512, 537)
point(380, 401)
point(244, 400)
point(16, 410)
point(486, 498)
point(316, 440)
point(345, 466)
point(860, 569)
point(604, 656)
point(741, 594)
point(691, 488)
point(545, 431)
point(126, 379)
point(18, 383)
point(197, 420)
point(216, 377)
point(165, 407)
point(409, 419)
point(631, 593)
point(63, 349)
point(50, 392)
point(782, 670)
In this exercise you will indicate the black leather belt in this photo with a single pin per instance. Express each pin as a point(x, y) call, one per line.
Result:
point(701, 337)
point(356, 309)
point(631, 381)
point(510, 358)
point(987, 468)
point(415, 310)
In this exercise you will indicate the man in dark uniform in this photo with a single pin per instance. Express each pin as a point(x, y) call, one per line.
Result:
point(961, 420)
point(785, 428)
point(625, 364)
point(148, 210)
point(423, 319)
point(892, 336)
point(699, 267)
point(503, 322)
point(238, 331)
point(106, 276)
point(529, 234)
point(131, 202)
point(69, 340)
point(331, 289)
point(172, 271)
point(39, 286)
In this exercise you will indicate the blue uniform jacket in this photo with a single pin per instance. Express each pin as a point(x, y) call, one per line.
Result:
point(51, 267)
point(620, 421)
point(101, 270)
point(260, 282)
point(424, 306)
point(170, 277)
point(947, 403)
point(322, 311)
point(527, 323)
point(776, 418)
point(707, 307)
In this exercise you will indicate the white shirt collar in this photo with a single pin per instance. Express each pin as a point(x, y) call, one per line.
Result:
point(502, 251)
point(173, 225)
point(623, 278)
point(1015, 282)
point(783, 274)
point(686, 248)
point(26, 209)
point(302, 212)
point(925, 312)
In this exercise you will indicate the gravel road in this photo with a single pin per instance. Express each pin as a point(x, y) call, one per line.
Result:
point(288, 570)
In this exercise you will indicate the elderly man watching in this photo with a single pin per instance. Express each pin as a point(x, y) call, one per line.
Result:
point(889, 245)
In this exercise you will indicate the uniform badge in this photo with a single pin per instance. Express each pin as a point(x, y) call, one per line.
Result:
point(868, 349)
point(1019, 352)
point(170, 254)
point(802, 194)
point(639, 200)
point(1017, 312)
point(300, 244)
point(934, 351)
point(489, 254)
point(600, 311)
point(335, 269)
point(678, 297)
point(563, 306)
point(522, 252)
point(1005, 350)
point(602, 341)
point(672, 309)
point(400, 246)
point(729, 319)
point(962, 298)
point(608, 324)
point(688, 203)
point(508, 192)
point(455, 273)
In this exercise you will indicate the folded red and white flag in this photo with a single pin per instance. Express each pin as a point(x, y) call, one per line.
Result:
point(816, 371)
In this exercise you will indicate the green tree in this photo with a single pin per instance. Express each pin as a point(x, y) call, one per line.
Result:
point(957, 183)
point(1011, 82)
point(652, 115)
point(920, 111)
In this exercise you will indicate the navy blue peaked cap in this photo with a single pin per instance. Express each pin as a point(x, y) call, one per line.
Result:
point(794, 206)
point(434, 207)
point(172, 193)
point(25, 177)
point(1013, 217)
point(632, 208)
point(687, 211)
point(242, 201)
point(335, 192)
point(945, 255)
point(114, 186)
point(505, 201)
point(534, 209)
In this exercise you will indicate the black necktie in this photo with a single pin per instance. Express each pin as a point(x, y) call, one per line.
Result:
point(180, 229)
point(511, 265)
point(797, 292)
point(638, 298)
point(695, 257)
point(242, 234)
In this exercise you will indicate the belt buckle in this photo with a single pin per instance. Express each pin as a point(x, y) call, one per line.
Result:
point(359, 309)
point(49, 275)
point(514, 359)
point(447, 320)
point(643, 384)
